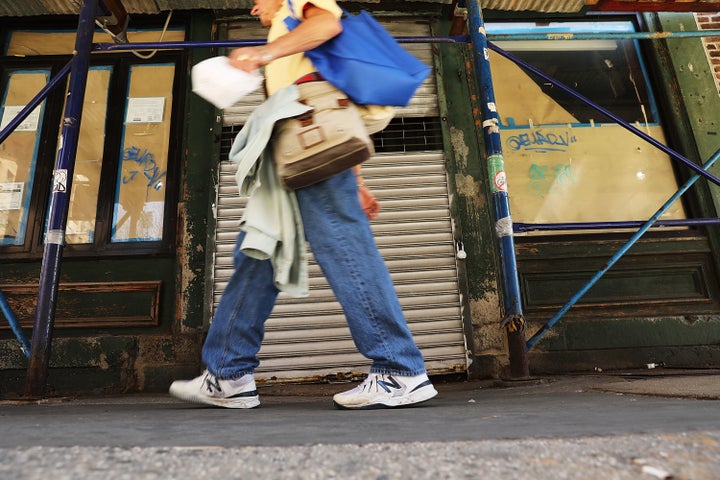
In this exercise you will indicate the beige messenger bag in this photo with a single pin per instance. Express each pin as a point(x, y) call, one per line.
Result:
point(325, 141)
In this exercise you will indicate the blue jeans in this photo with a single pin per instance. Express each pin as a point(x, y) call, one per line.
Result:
point(341, 240)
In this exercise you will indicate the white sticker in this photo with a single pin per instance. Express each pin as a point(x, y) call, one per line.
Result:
point(145, 110)
point(60, 181)
point(30, 124)
point(11, 194)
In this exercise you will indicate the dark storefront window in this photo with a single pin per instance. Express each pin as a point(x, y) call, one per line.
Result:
point(124, 183)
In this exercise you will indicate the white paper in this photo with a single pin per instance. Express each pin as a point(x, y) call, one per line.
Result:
point(30, 124)
point(11, 194)
point(221, 84)
point(145, 110)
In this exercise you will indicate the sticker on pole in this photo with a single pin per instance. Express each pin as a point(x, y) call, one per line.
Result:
point(60, 181)
point(500, 182)
point(496, 167)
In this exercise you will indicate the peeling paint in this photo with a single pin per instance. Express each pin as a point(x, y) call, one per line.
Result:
point(486, 311)
point(103, 362)
point(490, 338)
point(457, 138)
point(467, 185)
point(560, 36)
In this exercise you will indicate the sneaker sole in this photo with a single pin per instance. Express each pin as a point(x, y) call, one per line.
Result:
point(238, 402)
point(422, 395)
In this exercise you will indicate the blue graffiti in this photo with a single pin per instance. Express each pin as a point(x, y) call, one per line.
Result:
point(541, 142)
point(146, 161)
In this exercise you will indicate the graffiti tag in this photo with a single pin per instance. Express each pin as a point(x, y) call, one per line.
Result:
point(545, 178)
point(541, 142)
point(143, 161)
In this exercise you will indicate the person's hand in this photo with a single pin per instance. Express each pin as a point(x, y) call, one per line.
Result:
point(249, 59)
point(368, 202)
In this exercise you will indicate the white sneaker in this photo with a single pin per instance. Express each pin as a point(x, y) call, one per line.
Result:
point(207, 389)
point(386, 391)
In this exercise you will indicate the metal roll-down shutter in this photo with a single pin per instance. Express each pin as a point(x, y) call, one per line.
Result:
point(308, 338)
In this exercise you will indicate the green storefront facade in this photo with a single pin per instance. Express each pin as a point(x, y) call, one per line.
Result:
point(132, 310)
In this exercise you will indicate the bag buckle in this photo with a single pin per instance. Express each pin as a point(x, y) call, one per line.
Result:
point(305, 119)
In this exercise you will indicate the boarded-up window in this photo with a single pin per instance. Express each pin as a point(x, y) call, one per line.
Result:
point(566, 162)
point(140, 200)
point(18, 153)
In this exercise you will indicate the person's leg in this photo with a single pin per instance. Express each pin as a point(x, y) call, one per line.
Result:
point(341, 240)
point(238, 326)
point(234, 338)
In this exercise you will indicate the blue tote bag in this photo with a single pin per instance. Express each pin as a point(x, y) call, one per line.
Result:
point(366, 62)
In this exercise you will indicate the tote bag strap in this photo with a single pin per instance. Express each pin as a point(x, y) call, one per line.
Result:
point(294, 14)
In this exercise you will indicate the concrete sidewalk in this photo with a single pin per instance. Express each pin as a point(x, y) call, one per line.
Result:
point(647, 424)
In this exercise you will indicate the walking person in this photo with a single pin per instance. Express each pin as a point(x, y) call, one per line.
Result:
point(334, 215)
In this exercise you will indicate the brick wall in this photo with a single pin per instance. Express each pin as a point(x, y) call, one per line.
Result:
point(711, 21)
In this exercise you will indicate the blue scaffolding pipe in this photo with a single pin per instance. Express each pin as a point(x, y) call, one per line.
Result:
point(57, 216)
point(107, 47)
point(14, 325)
point(697, 168)
point(142, 46)
point(4, 134)
point(601, 35)
point(520, 227)
point(513, 320)
point(618, 254)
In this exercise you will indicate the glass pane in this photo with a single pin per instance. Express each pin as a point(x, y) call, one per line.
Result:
point(18, 154)
point(88, 160)
point(566, 162)
point(140, 194)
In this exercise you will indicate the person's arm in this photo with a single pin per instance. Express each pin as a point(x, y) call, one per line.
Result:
point(367, 200)
point(317, 27)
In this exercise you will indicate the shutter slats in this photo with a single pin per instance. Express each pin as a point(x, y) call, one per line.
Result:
point(311, 367)
point(344, 345)
point(340, 333)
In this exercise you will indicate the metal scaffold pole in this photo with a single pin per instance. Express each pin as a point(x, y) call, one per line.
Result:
point(37, 371)
point(513, 319)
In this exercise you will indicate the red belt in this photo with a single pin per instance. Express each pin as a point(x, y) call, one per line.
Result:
point(310, 77)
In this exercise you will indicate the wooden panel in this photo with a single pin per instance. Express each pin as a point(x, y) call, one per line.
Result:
point(648, 281)
point(90, 305)
point(664, 332)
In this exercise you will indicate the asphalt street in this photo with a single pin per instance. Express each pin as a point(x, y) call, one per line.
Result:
point(625, 425)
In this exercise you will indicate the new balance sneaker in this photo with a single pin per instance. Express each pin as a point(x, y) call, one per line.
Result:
point(208, 390)
point(386, 391)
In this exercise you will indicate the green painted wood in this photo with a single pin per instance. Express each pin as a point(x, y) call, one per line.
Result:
point(102, 271)
point(687, 80)
point(467, 170)
point(201, 146)
point(619, 333)
point(695, 78)
point(634, 358)
point(469, 195)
